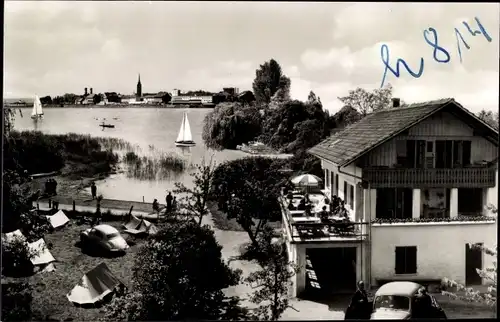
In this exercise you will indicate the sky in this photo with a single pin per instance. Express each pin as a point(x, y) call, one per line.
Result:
point(52, 48)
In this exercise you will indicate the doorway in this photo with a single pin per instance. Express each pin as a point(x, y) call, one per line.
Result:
point(334, 268)
point(473, 261)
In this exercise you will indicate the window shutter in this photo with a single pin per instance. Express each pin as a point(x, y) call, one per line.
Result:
point(411, 260)
point(399, 260)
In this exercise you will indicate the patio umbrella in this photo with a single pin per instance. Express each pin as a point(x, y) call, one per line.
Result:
point(307, 180)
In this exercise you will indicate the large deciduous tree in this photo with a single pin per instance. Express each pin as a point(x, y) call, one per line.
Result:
point(194, 200)
point(366, 102)
point(490, 118)
point(247, 190)
point(179, 274)
point(230, 124)
point(269, 78)
point(272, 282)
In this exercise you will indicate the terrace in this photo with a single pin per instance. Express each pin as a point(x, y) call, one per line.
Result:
point(314, 225)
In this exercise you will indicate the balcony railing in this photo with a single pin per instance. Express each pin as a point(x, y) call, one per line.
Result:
point(311, 229)
point(436, 178)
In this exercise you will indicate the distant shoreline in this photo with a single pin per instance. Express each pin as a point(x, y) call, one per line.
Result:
point(111, 106)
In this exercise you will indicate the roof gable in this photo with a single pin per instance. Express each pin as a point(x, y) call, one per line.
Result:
point(357, 139)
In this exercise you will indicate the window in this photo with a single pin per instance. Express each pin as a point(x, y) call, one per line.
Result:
point(401, 152)
point(337, 184)
point(331, 181)
point(345, 191)
point(406, 260)
point(430, 146)
point(327, 182)
point(351, 196)
point(394, 203)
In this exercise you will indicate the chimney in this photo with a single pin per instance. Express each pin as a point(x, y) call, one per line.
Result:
point(395, 101)
point(86, 91)
point(91, 91)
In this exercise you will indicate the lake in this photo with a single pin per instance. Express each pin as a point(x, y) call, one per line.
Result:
point(139, 126)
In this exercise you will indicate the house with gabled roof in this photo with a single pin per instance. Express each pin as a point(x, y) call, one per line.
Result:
point(419, 178)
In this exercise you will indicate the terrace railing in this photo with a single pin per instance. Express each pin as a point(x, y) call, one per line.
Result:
point(474, 177)
point(311, 229)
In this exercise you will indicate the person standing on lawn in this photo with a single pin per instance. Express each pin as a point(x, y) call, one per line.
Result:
point(169, 201)
point(93, 190)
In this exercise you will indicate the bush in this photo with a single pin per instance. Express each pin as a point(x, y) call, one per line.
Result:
point(230, 124)
point(16, 258)
point(16, 302)
point(36, 152)
point(159, 165)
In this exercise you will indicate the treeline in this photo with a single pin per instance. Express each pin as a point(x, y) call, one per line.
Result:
point(290, 126)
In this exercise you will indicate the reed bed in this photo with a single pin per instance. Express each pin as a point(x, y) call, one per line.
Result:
point(156, 166)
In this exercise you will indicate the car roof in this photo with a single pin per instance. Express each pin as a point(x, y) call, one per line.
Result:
point(106, 229)
point(398, 288)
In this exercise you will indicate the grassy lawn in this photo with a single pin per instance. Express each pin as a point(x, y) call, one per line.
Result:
point(50, 289)
point(221, 221)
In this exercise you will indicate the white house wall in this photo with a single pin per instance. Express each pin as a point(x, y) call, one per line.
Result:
point(440, 248)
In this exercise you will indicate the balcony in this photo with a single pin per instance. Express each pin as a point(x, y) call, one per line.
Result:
point(302, 229)
point(474, 177)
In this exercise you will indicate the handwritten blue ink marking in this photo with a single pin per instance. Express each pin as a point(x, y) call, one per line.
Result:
point(434, 44)
point(384, 54)
point(478, 32)
point(473, 33)
point(458, 34)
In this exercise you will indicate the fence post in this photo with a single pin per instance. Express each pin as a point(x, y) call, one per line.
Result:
point(130, 212)
point(50, 203)
point(37, 206)
point(143, 199)
point(74, 206)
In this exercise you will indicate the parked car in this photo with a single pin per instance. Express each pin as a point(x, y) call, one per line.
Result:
point(105, 237)
point(395, 301)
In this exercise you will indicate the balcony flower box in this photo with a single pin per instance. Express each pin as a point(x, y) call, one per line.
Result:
point(434, 220)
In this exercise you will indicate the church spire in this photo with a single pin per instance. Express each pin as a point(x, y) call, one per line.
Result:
point(139, 87)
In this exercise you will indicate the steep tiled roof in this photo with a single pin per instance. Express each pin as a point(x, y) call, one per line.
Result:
point(343, 147)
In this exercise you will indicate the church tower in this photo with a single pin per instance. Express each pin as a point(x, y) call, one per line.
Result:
point(139, 87)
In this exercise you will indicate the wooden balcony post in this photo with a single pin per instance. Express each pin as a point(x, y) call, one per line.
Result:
point(416, 203)
point(454, 202)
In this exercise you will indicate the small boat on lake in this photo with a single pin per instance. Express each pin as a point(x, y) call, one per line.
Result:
point(107, 125)
point(185, 138)
point(37, 112)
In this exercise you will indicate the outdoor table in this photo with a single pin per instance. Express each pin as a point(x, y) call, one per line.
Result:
point(306, 220)
point(297, 213)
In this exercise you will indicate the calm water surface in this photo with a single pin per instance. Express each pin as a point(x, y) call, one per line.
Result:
point(139, 126)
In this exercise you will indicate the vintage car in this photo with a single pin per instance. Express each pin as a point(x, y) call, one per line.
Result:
point(395, 301)
point(105, 237)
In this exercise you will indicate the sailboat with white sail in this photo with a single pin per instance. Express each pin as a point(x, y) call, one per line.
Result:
point(185, 138)
point(37, 112)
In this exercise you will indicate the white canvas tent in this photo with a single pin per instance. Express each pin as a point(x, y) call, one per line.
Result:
point(12, 236)
point(140, 226)
point(59, 219)
point(94, 286)
point(43, 255)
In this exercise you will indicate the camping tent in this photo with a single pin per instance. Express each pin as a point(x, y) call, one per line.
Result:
point(140, 226)
point(59, 219)
point(43, 255)
point(94, 286)
point(133, 223)
point(16, 234)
